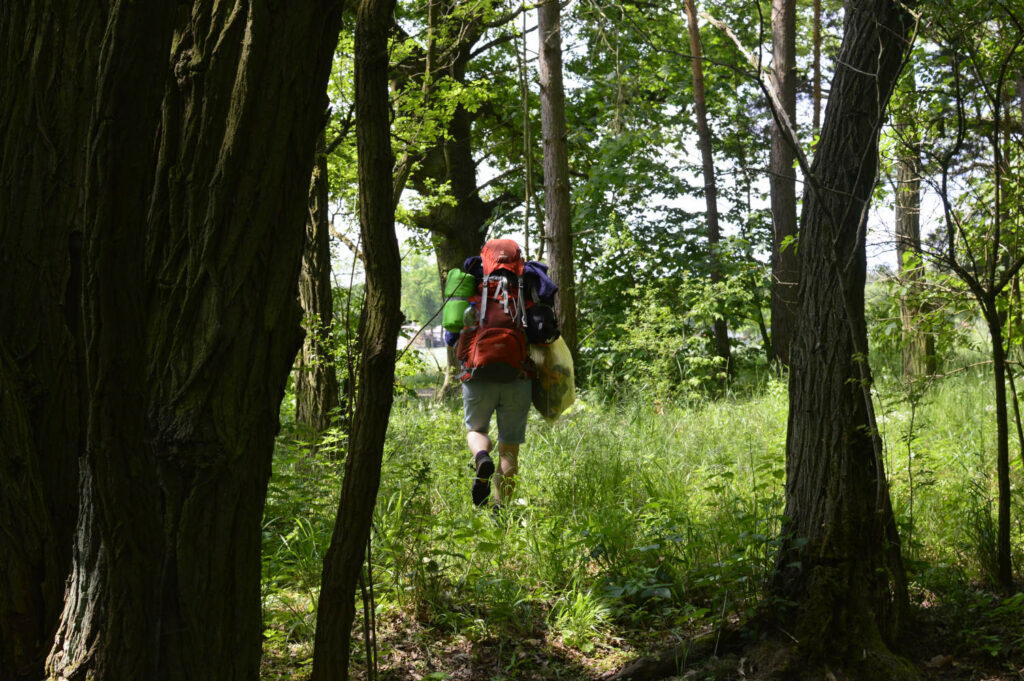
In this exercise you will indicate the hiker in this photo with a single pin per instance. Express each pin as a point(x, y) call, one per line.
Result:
point(512, 307)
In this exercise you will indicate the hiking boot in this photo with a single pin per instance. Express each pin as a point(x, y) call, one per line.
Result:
point(482, 482)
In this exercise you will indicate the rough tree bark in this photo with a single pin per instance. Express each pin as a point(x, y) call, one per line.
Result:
point(918, 345)
point(201, 143)
point(557, 215)
point(344, 560)
point(721, 329)
point(119, 514)
point(785, 261)
point(839, 560)
point(316, 377)
point(44, 74)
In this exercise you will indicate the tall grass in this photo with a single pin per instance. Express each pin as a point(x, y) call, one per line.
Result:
point(633, 521)
point(940, 446)
point(627, 516)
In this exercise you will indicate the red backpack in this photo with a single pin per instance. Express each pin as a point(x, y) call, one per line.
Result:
point(494, 349)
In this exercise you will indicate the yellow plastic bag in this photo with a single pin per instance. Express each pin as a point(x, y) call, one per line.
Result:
point(554, 389)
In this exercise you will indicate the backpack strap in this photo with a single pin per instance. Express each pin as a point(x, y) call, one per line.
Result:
point(522, 303)
point(484, 296)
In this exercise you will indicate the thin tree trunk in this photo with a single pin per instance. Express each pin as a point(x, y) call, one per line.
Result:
point(996, 319)
point(1000, 268)
point(346, 553)
point(45, 73)
point(194, 217)
point(557, 216)
point(816, 68)
point(995, 330)
point(839, 559)
point(316, 377)
point(785, 261)
point(918, 344)
point(721, 329)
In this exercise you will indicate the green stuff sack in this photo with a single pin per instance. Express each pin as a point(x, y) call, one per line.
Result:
point(458, 287)
point(554, 389)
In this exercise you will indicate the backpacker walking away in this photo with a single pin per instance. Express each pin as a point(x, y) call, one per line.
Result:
point(511, 307)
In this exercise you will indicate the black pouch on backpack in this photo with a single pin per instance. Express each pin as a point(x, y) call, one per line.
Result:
point(541, 324)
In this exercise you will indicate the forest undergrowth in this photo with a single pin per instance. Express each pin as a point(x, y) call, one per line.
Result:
point(637, 524)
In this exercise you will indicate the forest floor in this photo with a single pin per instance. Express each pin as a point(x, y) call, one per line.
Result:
point(936, 646)
point(413, 651)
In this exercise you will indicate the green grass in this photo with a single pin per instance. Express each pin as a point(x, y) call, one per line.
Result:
point(941, 461)
point(635, 524)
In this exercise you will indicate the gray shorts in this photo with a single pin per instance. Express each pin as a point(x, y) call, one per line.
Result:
point(511, 401)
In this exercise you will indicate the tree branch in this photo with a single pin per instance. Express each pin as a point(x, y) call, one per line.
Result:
point(352, 246)
point(789, 132)
point(346, 127)
point(498, 41)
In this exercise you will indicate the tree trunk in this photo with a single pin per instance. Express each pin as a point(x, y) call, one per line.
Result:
point(918, 344)
point(201, 145)
point(839, 559)
point(344, 560)
point(816, 67)
point(557, 217)
point(316, 377)
point(995, 329)
point(45, 88)
point(117, 557)
point(785, 261)
point(721, 329)
point(458, 229)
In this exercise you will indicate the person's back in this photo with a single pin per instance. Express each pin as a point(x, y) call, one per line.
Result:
point(497, 372)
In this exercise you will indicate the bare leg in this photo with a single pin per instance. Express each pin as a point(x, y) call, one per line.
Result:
point(478, 442)
point(504, 476)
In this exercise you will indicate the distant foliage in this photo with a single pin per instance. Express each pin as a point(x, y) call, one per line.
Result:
point(654, 337)
point(942, 307)
point(421, 293)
